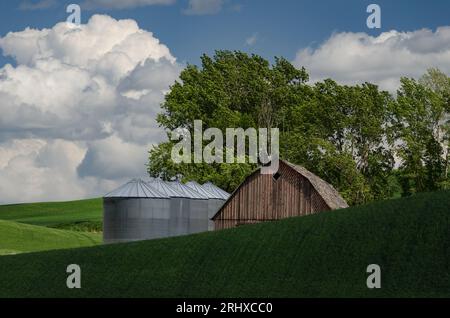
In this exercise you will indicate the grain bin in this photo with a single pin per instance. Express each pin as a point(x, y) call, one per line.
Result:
point(197, 217)
point(135, 211)
point(179, 207)
point(141, 210)
point(216, 198)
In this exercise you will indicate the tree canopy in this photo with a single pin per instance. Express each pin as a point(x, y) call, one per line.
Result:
point(369, 144)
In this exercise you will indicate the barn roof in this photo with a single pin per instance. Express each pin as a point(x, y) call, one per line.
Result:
point(330, 195)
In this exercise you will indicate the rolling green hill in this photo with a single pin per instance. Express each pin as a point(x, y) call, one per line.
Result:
point(19, 238)
point(76, 215)
point(322, 255)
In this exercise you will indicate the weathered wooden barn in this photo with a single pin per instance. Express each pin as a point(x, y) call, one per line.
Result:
point(292, 191)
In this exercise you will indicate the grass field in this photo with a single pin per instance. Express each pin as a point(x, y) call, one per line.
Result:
point(54, 214)
point(19, 238)
point(47, 226)
point(323, 255)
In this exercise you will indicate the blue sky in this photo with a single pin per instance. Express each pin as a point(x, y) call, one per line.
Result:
point(78, 105)
point(281, 27)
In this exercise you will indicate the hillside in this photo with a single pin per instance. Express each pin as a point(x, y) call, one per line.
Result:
point(323, 255)
point(77, 215)
point(19, 238)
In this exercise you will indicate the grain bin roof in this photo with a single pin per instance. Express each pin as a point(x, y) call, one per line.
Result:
point(218, 192)
point(135, 188)
point(165, 188)
point(187, 192)
point(331, 196)
point(202, 190)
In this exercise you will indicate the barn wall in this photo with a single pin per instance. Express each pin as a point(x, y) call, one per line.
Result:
point(262, 198)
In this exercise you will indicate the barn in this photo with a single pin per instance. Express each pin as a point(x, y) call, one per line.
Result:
point(291, 191)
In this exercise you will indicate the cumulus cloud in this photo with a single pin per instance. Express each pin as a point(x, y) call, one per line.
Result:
point(357, 57)
point(105, 158)
point(87, 46)
point(40, 170)
point(80, 105)
point(203, 7)
point(122, 4)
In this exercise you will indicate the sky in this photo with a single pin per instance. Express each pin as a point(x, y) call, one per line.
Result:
point(78, 104)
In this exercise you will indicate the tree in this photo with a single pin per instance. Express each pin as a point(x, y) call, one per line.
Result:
point(439, 83)
point(341, 134)
point(230, 90)
point(419, 116)
point(348, 135)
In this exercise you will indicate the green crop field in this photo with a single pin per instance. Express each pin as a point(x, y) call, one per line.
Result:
point(55, 214)
point(322, 255)
point(19, 238)
point(52, 225)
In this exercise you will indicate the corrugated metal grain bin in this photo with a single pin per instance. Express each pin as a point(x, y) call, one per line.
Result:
point(179, 207)
point(216, 198)
point(135, 211)
point(145, 210)
point(197, 205)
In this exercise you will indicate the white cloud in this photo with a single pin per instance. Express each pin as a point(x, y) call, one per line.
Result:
point(357, 57)
point(79, 108)
point(122, 4)
point(99, 42)
point(112, 159)
point(251, 40)
point(204, 7)
point(39, 170)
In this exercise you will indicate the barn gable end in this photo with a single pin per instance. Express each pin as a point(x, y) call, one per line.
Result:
point(292, 191)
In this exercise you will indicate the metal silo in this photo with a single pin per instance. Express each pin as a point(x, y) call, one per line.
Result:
point(135, 211)
point(216, 198)
point(216, 201)
point(179, 207)
point(141, 210)
point(197, 204)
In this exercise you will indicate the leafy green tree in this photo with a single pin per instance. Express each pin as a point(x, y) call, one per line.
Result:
point(419, 113)
point(233, 89)
point(347, 135)
point(226, 176)
point(439, 83)
point(345, 128)
point(230, 90)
